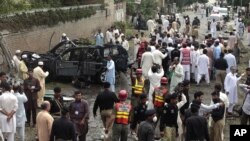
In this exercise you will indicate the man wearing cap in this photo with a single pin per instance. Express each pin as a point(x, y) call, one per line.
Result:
point(137, 86)
point(138, 114)
point(64, 38)
point(58, 132)
point(40, 75)
point(121, 113)
point(159, 96)
point(196, 126)
point(105, 101)
point(16, 59)
point(23, 70)
point(146, 128)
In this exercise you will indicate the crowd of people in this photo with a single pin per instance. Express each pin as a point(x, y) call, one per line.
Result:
point(159, 106)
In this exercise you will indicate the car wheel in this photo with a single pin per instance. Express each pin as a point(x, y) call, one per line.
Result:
point(102, 77)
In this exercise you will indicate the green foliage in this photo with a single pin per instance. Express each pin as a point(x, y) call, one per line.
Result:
point(238, 2)
point(121, 25)
point(26, 21)
point(147, 8)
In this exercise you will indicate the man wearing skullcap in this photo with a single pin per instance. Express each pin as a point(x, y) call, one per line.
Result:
point(40, 75)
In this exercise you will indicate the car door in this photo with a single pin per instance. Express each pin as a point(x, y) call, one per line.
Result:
point(68, 64)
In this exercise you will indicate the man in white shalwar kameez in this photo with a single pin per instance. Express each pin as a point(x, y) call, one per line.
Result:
point(147, 61)
point(151, 25)
point(231, 60)
point(154, 76)
point(178, 74)
point(230, 85)
point(16, 59)
point(213, 28)
point(39, 74)
point(194, 57)
point(20, 113)
point(158, 56)
point(202, 65)
point(136, 46)
point(110, 73)
point(8, 107)
point(165, 24)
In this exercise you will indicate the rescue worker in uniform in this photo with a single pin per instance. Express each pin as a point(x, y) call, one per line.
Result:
point(138, 86)
point(121, 113)
point(138, 115)
point(159, 96)
point(159, 99)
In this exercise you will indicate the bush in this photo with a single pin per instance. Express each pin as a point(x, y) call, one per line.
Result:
point(121, 26)
point(50, 18)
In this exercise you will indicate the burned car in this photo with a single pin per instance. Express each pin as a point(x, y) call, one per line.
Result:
point(72, 59)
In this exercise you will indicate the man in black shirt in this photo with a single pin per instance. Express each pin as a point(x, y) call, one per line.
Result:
point(56, 102)
point(220, 65)
point(168, 121)
point(196, 126)
point(62, 128)
point(138, 114)
point(175, 53)
point(216, 129)
point(105, 101)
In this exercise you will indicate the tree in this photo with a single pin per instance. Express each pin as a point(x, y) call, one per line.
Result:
point(147, 8)
point(239, 2)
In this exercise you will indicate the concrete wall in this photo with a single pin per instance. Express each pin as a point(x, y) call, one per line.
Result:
point(38, 39)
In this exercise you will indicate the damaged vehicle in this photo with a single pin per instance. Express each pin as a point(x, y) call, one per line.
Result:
point(75, 60)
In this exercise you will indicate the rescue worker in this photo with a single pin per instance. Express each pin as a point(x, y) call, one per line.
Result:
point(159, 99)
point(159, 96)
point(138, 86)
point(121, 113)
point(138, 115)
